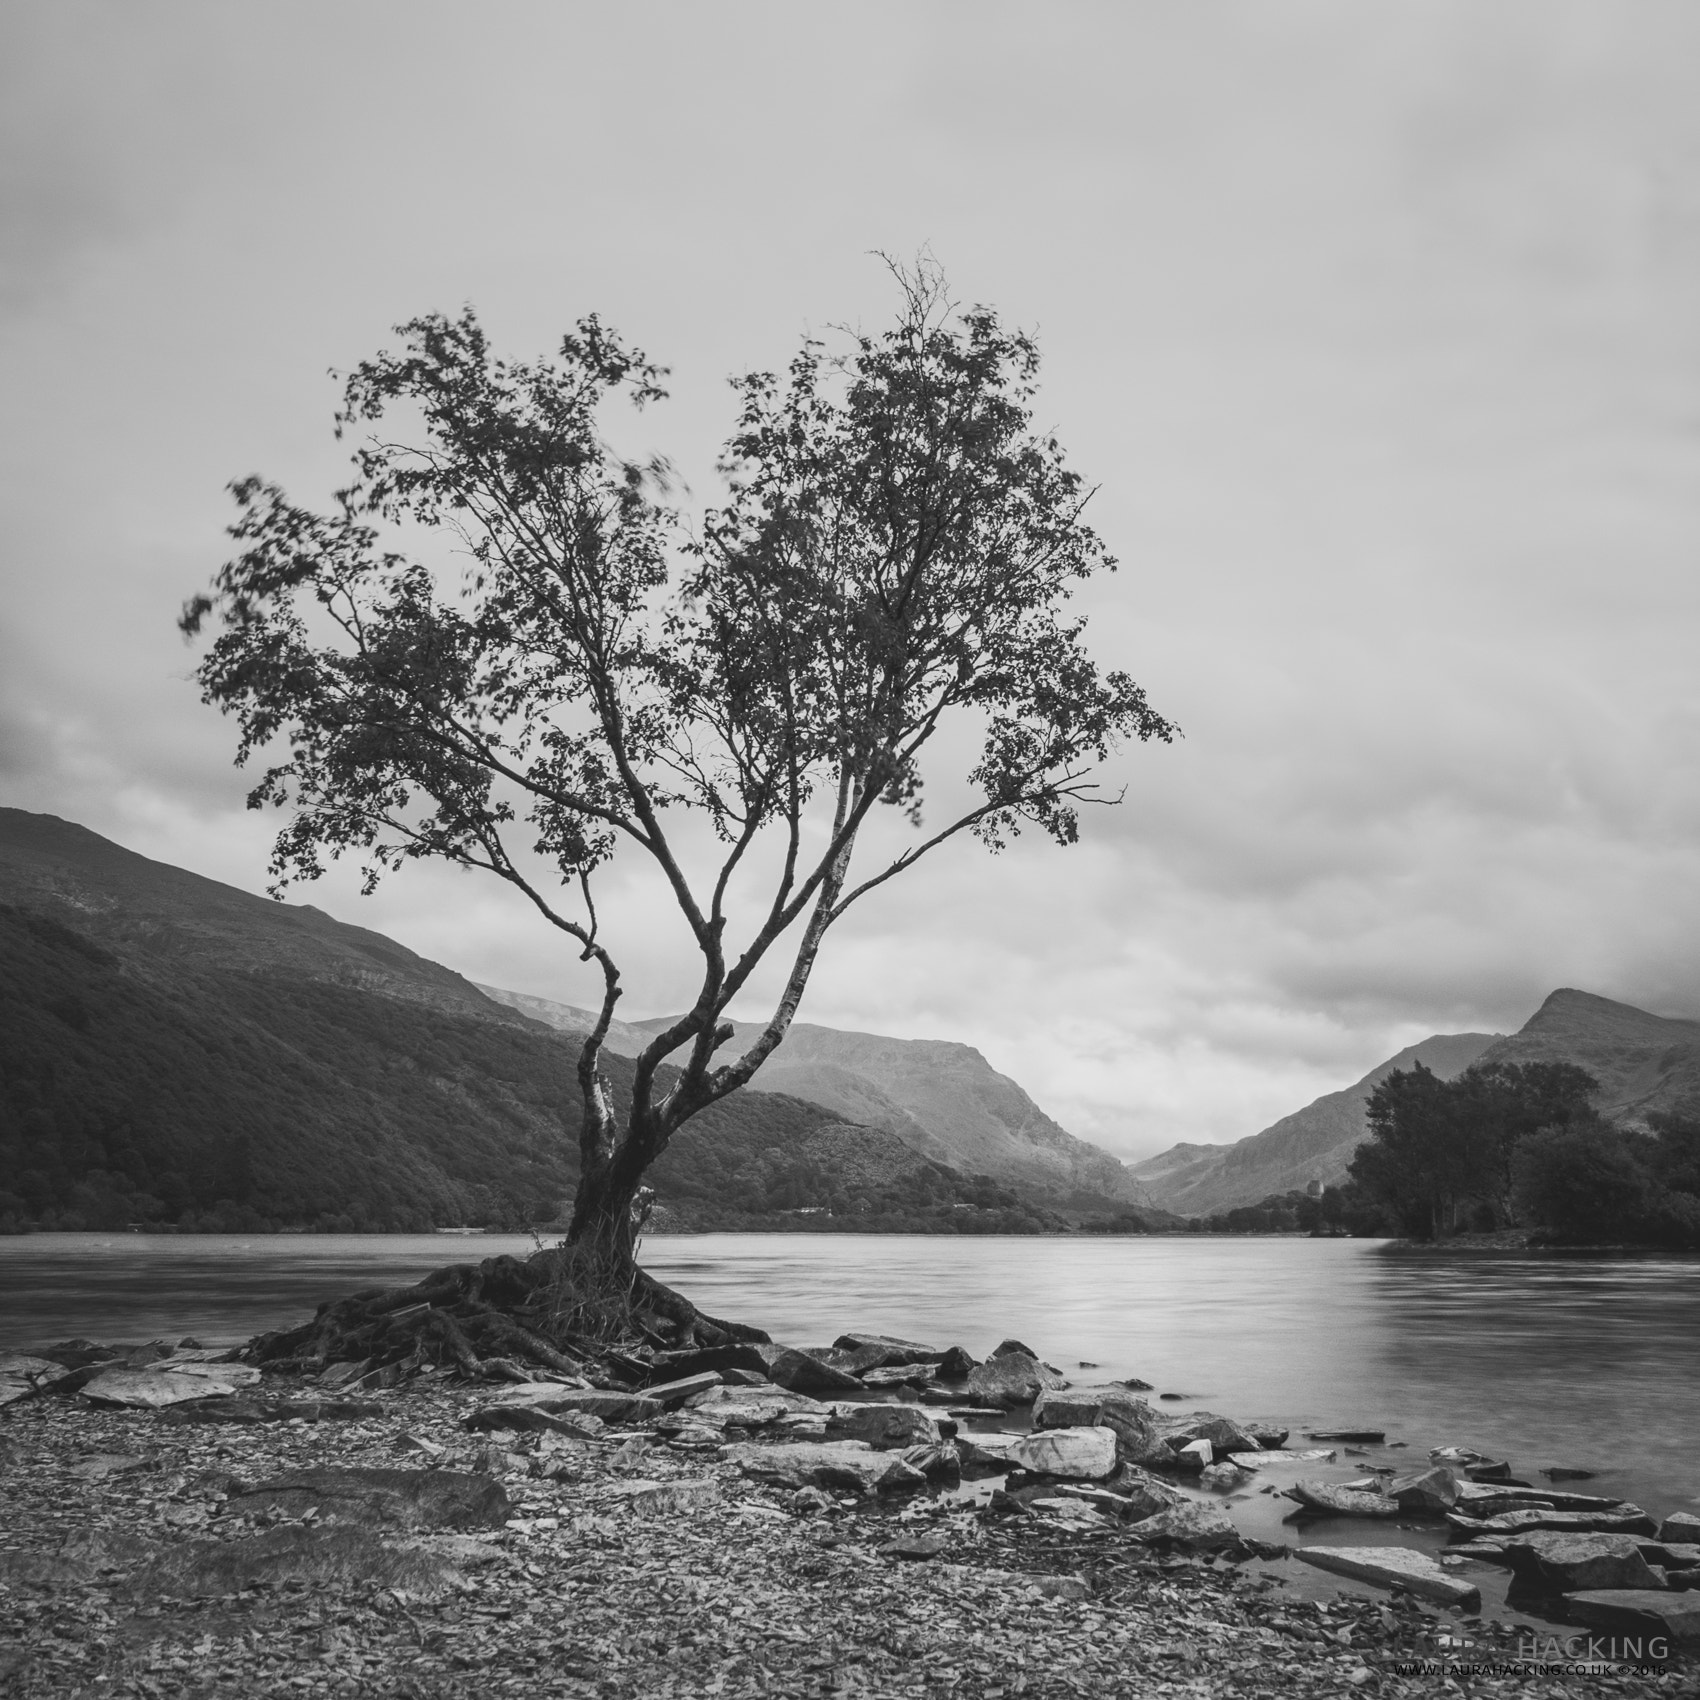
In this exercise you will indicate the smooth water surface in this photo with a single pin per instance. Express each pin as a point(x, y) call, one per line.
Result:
point(1586, 1361)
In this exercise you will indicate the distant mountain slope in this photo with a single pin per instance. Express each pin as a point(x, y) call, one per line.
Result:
point(945, 1101)
point(941, 1099)
point(176, 1051)
point(1643, 1062)
point(1313, 1144)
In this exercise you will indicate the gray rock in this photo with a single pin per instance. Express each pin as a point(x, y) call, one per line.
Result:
point(673, 1393)
point(1267, 1435)
point(1077, 1454)
point(1349, 1436)
point(1341, 1501)
point(1395, 1567)
point(22, 1377)
point(1008, 1379)
point(1566, 1563)
point(1272, 1459)
point(1564, 1473)
point(1225, 1476)
point(939, 1462)
point(1637, 1611)
point(1224, 1435)
point(1194, 1455)
point(1681, 1526)
point(1433, 1489)
point(885, 1427)
point(899, 1375)
point(1192, 1527)
point(859, 1353)
point(669, 1499)
point(849, 1464)
point(1060, 1587)
point(916, 1547)
point(1144, 1493)
point(557, 1399)
point(385, 1499)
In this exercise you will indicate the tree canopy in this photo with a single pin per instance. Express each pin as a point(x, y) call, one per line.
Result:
point(896, 548)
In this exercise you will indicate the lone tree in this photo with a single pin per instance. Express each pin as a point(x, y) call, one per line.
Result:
point(897, 546)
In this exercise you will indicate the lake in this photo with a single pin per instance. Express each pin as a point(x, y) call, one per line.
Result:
point(1575, 1360)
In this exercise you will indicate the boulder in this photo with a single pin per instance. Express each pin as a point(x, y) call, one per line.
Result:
point(1194, 1455)
point(1433, 1489)
point(1342, 1501)
point(987, 1455)
point(1224, 1435)
point(1224, 1477)
point(1267, 1435)
point(1637, 1610)
point(1077, 1454)
point(859, 1353)
point(167, 1383)
point(852, 1465)
point(1681, 1526)
point(884, 1427)
point(802, 1372)
point(1192, 1527)
point(385, 1499)
point(1074, 1407)
point(1632, 1520)
point(1566, 1563)
point(1395, 1567)
point(955, 1365)
point(1006, 1347)
point(1008, 1379)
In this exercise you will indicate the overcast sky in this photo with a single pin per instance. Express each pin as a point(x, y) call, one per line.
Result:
point(1377, 327)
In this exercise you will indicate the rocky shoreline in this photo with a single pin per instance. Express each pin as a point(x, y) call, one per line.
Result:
point(874, 1517)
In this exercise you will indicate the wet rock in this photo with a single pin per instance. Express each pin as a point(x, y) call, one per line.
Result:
point(1278, 1456)
point(802, 1372)
point(1341, 1501)
point(1077, 1454)
point(859, 1353)
point(987, 1454)
point(167, 1383)
point(1632, 1520)
point(1073, 1407)
point(884, 1427)
point(1006, 1347)
point(385, 1499)
point(1566, 1563)
point(1224, 1477)
point(1396, 1567)
point(1498, 1471)
point(1268, 1437)
point(1009, 1378)
point(1195, 1455)
point(1349, 1436)
point(1190, 1527)
point(1680, 1526)
point(1566, 1473)
point(955, 1366)
point(1433, 1489)
point(899, 1375)
point(848, 1464)
point(1637, 1611)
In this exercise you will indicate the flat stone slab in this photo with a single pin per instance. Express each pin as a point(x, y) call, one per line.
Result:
point(886, 1427)
point(1194, 1527)
point(1348, 1436)
point(1681, 1526)
point(168, 1382)
point(611, 1407)
point(671, 1393)
point(851, 1465)
point(384, 1499)
point(1342, 1501)
point(1571, 1563)
point(1395, 1567)
point(1646, 1610)
point(1268, 1460)
point(1631, 1521)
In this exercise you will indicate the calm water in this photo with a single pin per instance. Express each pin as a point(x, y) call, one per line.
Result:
point(1586, 1361)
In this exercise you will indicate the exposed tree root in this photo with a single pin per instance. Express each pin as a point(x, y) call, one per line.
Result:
point(561, 1312)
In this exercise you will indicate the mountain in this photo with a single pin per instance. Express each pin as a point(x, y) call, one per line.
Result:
point(176, 1051)
point(1644, 1063)
point(943, 1100)
point(1313, 1144)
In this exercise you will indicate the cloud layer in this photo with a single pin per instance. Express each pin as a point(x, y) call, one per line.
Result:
point(1377, 331)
